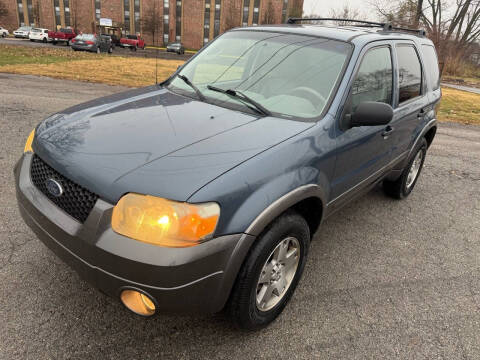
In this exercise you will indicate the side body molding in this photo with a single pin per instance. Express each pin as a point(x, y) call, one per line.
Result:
point(282, 204)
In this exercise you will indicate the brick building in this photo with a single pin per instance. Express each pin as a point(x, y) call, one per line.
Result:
point(193, 22)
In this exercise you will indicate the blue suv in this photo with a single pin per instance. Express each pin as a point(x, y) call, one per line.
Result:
point(203, 193)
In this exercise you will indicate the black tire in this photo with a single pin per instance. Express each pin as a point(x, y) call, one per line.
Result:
point(242, 305)
point(4, 35)
point(398, 189)
point(44, 40)
point(68, 42)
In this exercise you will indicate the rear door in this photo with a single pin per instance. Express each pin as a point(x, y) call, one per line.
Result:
point(411, 103)
point(363, 152)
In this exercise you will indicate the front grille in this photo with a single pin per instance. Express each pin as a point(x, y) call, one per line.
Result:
point(75, 199)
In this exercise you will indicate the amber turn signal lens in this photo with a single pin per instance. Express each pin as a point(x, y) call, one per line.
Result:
point(28, 144)
point(163, 222)
point(137, 302)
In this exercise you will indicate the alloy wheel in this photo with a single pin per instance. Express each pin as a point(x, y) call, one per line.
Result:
point(277, 274)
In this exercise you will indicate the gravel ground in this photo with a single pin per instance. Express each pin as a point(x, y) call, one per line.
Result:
point(385, 279)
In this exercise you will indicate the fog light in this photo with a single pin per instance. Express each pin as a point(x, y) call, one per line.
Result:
point(137, 302)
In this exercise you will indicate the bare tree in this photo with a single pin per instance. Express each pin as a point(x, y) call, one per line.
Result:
point(232, 19)
point(74, 14)
point(3, 11)
point(151, 22)
point(346, 13)
point(36, 13)
point(454, 31)
point(269, 14)
point(295, 9)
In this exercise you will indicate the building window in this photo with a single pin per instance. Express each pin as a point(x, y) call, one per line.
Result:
point(246, 10)
point(206, 22)
point(21, 16)
point(126, 16)
point(284, 11)
point(256, 12)
point(97, 10)
point(178, 16)
point(136, 6)
point(165, 38)
point(58, 19)
point(216, 25)
point(66, 12)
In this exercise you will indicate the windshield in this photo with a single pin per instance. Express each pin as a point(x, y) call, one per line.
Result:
point(133, 37)
point(85, 37)
point(289, 75)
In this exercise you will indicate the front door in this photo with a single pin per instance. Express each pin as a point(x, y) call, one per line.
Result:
point(363, 152)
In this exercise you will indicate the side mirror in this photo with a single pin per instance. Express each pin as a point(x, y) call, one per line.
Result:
point(371, 113)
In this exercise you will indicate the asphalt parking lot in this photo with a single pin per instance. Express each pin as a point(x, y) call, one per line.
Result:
point(385, 279)
point(118, 51)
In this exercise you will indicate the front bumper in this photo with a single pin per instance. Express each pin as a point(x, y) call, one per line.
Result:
point(195, 279)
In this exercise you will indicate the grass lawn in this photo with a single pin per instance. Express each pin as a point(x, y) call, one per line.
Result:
point(64, 64)
point(457, 106)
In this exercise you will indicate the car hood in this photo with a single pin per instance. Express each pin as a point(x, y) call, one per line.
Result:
point(152, 141)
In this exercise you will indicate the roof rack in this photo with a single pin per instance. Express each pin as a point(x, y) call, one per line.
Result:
point(384, 26)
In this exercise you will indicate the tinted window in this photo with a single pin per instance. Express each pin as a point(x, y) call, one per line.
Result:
point(374, 81)
point(409, 73)
point(431, 66)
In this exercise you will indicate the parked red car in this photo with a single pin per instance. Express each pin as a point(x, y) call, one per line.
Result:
point(63, 35)
point(132, 41)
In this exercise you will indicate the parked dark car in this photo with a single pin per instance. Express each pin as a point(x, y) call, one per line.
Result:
point(92, 43)
point(176, 47)
point(203, 193)
point(114, 38)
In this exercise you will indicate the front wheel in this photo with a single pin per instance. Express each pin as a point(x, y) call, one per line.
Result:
point(403, 186)
point(270, 273)
point(4, 35)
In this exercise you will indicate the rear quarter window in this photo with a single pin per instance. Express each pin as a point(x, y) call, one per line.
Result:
point(431, 66)
point(409, 73)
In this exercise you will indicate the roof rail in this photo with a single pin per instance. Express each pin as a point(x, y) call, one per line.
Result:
point(384, 26)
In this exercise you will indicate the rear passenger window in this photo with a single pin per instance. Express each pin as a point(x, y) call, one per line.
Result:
point(409, 73)
point(374, 80)
point(431, 66)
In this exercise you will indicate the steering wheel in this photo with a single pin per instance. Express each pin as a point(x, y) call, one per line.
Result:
point(310, 94)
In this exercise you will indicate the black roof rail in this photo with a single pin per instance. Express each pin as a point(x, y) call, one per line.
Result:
point(384, 26)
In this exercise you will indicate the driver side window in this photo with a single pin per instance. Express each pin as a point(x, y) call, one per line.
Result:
point(374, 80)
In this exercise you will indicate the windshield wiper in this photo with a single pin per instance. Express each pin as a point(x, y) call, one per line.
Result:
point(242, 97)
point(187, 81)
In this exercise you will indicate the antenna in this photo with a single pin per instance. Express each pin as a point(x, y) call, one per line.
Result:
point(155, 42)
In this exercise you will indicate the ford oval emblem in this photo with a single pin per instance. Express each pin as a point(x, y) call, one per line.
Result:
point(54, 187)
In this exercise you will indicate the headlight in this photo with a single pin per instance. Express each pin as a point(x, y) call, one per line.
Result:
point(163, 222)
point(28, 144)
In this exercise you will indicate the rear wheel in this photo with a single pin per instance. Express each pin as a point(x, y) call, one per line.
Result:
point(4, 35)
point(403, 186)
point(44, 40)
point(271, 272)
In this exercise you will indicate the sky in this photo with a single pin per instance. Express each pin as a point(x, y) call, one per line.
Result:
point(323, 7)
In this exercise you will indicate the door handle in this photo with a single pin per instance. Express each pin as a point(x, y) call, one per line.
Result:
point(421, 113)
point(387, 132)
